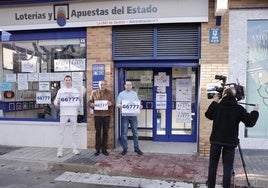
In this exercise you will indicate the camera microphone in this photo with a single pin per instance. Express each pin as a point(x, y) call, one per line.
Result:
point(247, 104)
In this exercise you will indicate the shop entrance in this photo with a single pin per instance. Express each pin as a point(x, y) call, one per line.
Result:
point(168, 97)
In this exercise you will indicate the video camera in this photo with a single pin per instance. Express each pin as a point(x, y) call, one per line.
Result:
point(219, 89)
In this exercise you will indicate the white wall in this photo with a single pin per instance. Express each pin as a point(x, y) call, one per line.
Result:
point(39, 134)
point(238, 58)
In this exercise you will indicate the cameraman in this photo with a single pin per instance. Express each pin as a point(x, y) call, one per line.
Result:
point(226, 115)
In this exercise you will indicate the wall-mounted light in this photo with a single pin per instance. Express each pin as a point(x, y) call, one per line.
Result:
point(221, 6)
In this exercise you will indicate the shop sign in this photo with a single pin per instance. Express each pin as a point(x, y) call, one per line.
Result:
point(214, 35)
point(97, 13)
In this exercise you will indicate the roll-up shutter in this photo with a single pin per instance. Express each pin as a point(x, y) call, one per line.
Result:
point(172, 41)
point(134, 41)
point(177, 40)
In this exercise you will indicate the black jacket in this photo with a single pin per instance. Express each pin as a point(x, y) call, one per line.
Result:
point(226, 117)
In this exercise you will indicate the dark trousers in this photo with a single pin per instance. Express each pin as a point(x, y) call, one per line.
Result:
point(228, 154)
point(101, 126)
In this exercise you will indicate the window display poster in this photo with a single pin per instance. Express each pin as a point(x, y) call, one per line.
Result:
point(6, 86)
point(161, 80)
point(18, 106)
point(77, 64)
point(183, 112)
point(44, 86)
point(161, 101)
point(146, 79)
point(28, 66)
point(43, 97)
point(61, 65)
point(11, 77)
point(183, 89)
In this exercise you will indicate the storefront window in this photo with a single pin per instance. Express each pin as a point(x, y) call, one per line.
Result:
point(257, 74)
point(33, 71)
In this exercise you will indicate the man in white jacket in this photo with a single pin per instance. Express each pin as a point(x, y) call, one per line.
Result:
point(69, 99)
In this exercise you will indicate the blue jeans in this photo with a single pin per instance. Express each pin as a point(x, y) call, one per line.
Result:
point(133, 122)
point(228, 154)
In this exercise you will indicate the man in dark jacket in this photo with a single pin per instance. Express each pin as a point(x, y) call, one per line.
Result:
point(226, 115)
point(101, 100)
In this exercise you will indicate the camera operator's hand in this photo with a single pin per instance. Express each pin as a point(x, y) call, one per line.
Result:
point(256, 107)
point(216, 97)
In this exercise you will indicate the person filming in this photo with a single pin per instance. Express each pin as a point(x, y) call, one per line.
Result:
point(226, 115)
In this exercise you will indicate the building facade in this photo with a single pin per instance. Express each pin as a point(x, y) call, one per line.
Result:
point(170, 51)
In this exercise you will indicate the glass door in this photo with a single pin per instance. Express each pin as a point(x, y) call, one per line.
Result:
point(143, 84)
point(174, 104)
point(168, 96)
point(162, 104)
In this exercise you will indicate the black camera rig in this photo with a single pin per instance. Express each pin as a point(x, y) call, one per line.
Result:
point(240, 94)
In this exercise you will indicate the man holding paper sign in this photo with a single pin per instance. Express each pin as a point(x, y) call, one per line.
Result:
point(69, 99)
point(101, 100)
point(130, 106)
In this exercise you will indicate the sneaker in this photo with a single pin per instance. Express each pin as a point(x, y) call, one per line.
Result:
point(104, 152)
point(124, 152)
point(76, 152)
point(59, 154)
point(97, 153)
point(138, 151)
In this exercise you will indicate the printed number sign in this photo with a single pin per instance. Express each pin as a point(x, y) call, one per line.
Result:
point(69, 99)
point(101, 105)
point(43, 98)
point(130, 107)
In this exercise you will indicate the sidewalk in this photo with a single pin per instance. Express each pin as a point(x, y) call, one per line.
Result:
point(170, 167)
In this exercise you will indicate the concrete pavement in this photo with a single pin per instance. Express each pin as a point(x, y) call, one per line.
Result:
point(189, 168)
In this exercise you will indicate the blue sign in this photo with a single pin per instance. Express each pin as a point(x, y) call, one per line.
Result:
point(214, 35)
point(6, 86)
point(98, 71)
point(5, 36)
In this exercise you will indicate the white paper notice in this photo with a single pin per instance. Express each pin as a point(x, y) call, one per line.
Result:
point(33, 77)
point(44, 77)
point(43, 98)
point(101, 105)
point(77, 64)
point(183, 89)
point(130, 107)
point(44, 86)
point(69, 99)
point(11, 78)
point(183, 112)
point(161, 101)
point(22, 81)
point(61, 65)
